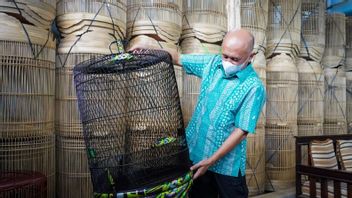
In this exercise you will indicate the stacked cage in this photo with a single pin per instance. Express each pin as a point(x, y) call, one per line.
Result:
point(27, 55)
point(204, 24)
point(348, 69)
point(87, 29)
point(335, 76)
point(254, 18)
point(132, 125)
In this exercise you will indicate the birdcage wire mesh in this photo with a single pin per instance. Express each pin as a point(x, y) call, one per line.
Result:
point(132, 120)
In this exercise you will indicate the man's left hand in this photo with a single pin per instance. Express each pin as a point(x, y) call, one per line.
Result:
point(201, 167)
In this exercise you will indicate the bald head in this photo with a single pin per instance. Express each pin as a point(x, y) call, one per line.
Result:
point(239, 38)
point(237, 47)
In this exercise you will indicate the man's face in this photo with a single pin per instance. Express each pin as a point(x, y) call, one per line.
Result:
point(236, 55)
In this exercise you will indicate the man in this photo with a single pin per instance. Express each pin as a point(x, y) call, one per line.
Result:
point(230, 101)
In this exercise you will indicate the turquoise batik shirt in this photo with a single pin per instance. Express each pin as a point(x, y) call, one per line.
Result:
point(223, 105)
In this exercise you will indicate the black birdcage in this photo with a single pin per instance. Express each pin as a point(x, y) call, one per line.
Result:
point(132, 122)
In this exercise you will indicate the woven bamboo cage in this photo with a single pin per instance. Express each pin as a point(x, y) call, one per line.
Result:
point(161, 18)
point(179, 79)
point(196, 46)
point(349, 101)
point(36, 13)
point(67, 120)
point(313, 29)
point(281, 121)
point(284, 27)
point(204, 19)
point(152, 43)
point(24, 184)
point(259, 65)
point(73, 176)
point(91, 26)
point(348, 66)
point(30, 154)
point(255, 172)
point(310, 98)
point(335, 40)
point(335, 101)
point(256, 143)
point(254, 17)
point(191, 89)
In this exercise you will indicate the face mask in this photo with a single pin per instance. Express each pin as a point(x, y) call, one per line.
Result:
point(230, 69)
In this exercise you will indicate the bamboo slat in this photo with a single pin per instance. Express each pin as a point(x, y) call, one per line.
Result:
point(254, 17)
point(152, 43)
point(67, 120)
point(335, 40)
point(281, 121)
point(348, 66)
point(280, 156)
point(161, 15)
point(27, 95)
point(195, 46)
point(204, 17)
point(349, 101)
point(284, 27)
point(73, 175)
point(259, 64)
point(12, 30)
point(191, 89)
point(313, 29)
point(255, 172)
point(335, 101)
point(30, 154)
point(310, 98)
point(38, 14)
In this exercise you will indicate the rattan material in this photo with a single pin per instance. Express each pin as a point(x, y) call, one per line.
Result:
point(335, 101)
point(349, 101)
point(73, 176)
point(30, 154)
point(334, 54)
point(284, 27)
point(310, 98)
point(138, 141)
point(313, 29)
point(254, 17)
point(281, 121)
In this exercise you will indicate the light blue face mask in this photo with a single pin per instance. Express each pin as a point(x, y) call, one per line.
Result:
point(230, 69)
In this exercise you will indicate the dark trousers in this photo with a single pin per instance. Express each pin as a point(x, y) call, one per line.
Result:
point(213, 185)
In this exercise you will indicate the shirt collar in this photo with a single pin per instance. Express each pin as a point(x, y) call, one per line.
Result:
point(244, 73)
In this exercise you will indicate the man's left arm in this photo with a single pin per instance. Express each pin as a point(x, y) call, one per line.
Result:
point(245, 122)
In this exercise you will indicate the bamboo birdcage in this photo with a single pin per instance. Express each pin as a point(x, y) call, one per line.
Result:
point(36, 153)
point(91, 26)
point(335, 40)
point(335, 101)
point(284, 28)
point(160, 18)
point(254, 17)
point(255, 169)
point(256, 142)
point(205, 20)
point(281, 121)
point(73, 176)
point(313, 29)
point(349, 101)
point(348, 66)
point(310, 98)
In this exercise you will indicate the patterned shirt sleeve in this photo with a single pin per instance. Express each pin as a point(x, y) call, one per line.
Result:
point(249, 111)
point(195, 64)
